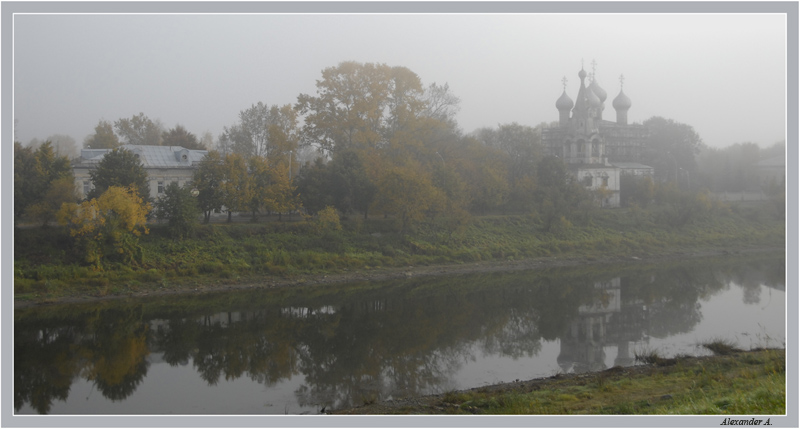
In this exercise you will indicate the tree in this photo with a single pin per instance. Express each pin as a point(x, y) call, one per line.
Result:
point(348, 112)
point(268, 131)
point(178, 136)
point(236, 188)
point(103, 137)
point(108, 227)
point(139, 130)
point(208, 179)
point(441, 104)
point(313, 186)
point(670, 148)
point(522, 147)
point(61, 190)
point(559, 199)
point(409, 194)
point(638, 190)
point(64, 145)
point(179, 207)
point(35, 171)
point(348, 183)
point(122, 168)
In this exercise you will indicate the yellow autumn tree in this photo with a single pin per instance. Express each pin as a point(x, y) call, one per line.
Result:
point(408, 193)
point(108, 227)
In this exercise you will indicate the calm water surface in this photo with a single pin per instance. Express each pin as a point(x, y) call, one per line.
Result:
point(297, 350)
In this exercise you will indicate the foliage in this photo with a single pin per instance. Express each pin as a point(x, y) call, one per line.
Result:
point(61, 191)
point(121, 168)
point(729, 169)
point(236, 187)
point(107, 227)
point(327, 219)
point(266, 131)
point(208, 179)
point(670, 148)
point(409, 194)
point(360, 106)
point(179, 207)
point(139, 130)
point(35, 173)
point(178, 136)
point(638, 190)
point(103, 137)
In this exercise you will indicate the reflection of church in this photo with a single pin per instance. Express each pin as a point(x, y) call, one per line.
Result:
point(607, 321)
point(597, 151)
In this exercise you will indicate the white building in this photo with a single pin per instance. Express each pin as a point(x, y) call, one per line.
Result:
point(164, 165)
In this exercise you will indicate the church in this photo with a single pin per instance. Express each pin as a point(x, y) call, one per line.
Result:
point(597, 151)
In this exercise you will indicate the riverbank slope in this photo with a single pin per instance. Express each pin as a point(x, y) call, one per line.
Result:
point(734, 382)
point(47, 268)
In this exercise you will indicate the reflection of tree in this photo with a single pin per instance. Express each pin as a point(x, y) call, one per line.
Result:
point(353, 342)
point(44, 365)
point(258, 344)
point(116, 352)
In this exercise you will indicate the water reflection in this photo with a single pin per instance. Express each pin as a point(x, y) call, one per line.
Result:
point(355, 343)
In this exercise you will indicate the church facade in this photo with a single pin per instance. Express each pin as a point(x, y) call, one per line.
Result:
point(598, 152)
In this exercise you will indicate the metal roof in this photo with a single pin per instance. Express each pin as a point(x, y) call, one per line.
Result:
point(151, 156)
point(630, 165)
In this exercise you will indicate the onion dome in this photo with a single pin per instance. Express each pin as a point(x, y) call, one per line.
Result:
point(582, 74)
point(621, 102)
point(564, 102)
point(599, 92)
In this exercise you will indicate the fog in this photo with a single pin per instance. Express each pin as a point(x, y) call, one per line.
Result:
point(724, 74)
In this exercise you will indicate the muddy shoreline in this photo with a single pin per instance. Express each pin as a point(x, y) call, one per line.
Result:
point(389, 273)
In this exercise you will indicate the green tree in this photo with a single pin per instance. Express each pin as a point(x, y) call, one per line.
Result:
point(559, 199)
point(61, 191)
point(208, 179)
point(671, 148)
point(639, 190)
point(178, 136)
point(522, 149)
point(35, 171)
point(348, 183)
point(313, 186)
point(237, 192)
point(103, 137)
point(139, 130)
point(179, 207)
point(122, 168)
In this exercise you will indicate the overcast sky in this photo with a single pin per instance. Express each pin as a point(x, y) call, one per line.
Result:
point(723, 74)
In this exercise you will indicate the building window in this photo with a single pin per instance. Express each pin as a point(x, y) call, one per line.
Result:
point(87, 186)
point(605, 181)
point(160, 186)
point(587, 181)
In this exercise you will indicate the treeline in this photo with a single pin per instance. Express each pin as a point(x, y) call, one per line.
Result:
point(375, 140)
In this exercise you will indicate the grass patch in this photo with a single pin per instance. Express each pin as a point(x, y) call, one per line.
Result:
point(737, 383)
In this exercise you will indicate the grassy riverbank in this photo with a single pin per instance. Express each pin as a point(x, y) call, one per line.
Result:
point(733, 382)
point(46, 267)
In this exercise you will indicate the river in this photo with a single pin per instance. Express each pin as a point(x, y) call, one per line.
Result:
point(298, 350)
